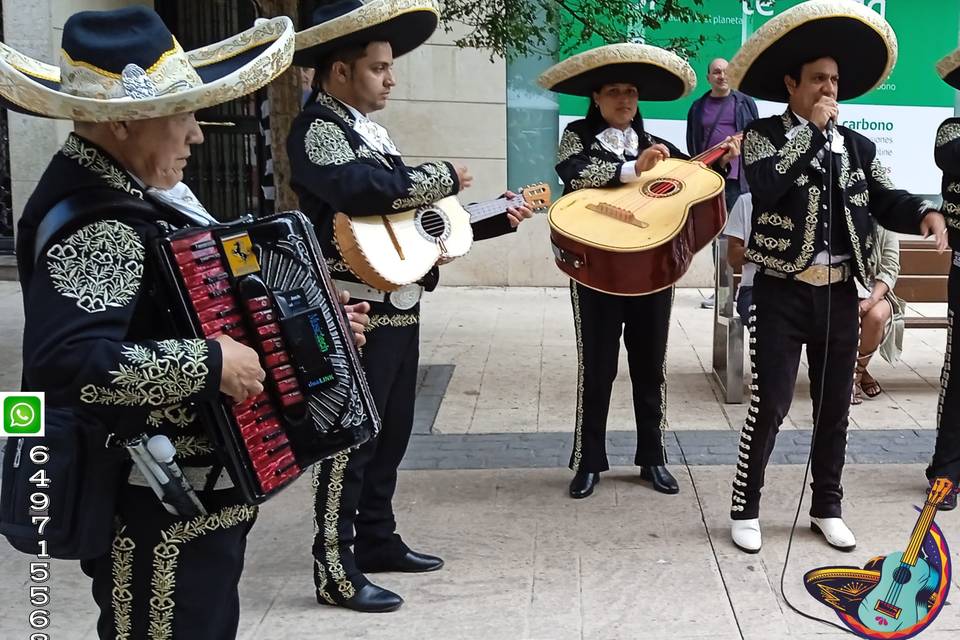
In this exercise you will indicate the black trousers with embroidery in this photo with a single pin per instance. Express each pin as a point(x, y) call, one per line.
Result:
point(599, 319)
point(172, 579)
point(946, 454)
point(786, 315)
point(354, 490)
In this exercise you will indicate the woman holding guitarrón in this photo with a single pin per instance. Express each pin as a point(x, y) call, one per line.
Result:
point(608, 148)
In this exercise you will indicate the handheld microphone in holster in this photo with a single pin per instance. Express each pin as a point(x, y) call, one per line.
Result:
point(154, 458)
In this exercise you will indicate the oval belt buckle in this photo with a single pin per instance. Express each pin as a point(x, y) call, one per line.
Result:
point(406, 297)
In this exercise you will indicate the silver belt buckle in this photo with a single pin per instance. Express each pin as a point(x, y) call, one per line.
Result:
point(406, 297)
point(956, 258)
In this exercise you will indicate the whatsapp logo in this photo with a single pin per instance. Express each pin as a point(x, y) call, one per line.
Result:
point(22, 414)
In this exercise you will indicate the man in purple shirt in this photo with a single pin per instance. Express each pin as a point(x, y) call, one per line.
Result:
point(719, 113)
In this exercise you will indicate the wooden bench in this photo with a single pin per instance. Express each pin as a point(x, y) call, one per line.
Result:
point(923, 278)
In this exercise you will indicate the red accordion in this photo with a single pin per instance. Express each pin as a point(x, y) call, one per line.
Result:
point(265, 283)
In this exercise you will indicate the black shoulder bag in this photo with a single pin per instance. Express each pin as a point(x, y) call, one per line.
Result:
point(73, 464)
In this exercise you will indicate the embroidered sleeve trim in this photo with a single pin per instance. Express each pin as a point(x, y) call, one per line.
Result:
point(429, 182)
point(177, 415)
point(856, 177)
point(861, 199)
point(794, 148)
point(570, 146)
point(172, 373)
point(327, 144)
point(99, 265)
point(596, 174)
point(947, 133)
point(757, 147)
point(881, 175)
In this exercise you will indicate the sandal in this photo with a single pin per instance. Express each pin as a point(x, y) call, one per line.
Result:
point(871, 388)
point(856, 396)
point(864, 384)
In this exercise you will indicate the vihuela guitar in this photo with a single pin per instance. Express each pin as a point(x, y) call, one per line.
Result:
point(640, 237)
point(389, 251)
point(901, 598)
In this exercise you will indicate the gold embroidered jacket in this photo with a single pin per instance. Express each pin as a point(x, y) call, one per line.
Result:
point(583, 163)
point(790, 195)
point(97, 335)
point(333, 169)
point(947, 155)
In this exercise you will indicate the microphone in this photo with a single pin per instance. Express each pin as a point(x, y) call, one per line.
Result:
point(177, 491)
point(163, 475)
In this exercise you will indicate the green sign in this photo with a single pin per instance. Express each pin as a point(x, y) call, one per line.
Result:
point(926, 31)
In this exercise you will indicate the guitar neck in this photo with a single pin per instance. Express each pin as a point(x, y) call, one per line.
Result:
point(920, 530)
point(482, 210)
point(714, 153)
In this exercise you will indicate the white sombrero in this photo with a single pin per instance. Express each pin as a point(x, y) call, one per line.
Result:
point(657, 73)
point(126, 65)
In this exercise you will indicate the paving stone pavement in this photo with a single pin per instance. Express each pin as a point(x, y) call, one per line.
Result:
point(538, 450)
point(485, 481)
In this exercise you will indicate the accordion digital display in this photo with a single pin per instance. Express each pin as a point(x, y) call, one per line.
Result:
point(265, 284)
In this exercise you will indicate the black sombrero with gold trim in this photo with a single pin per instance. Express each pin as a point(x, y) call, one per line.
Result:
point(405, 24)
point(126, 65)
point(859, 39)
point(657, 73)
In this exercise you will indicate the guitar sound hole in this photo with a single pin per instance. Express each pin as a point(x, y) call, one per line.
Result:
point(901, 575)
point(662, 187)
point(432, 223)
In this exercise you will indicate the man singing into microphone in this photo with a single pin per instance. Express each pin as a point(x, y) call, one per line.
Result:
point(816, 190)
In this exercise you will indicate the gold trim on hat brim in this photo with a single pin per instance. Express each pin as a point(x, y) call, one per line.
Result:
point(762, 47)
point(20, 75)
point(626, 62)
point(948, 68)
point(377, 13)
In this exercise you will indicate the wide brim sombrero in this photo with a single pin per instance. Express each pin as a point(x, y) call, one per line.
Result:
point(405, 24)
point(657, 73)
point(861, 42)
point(228, 69)
point(949, 69)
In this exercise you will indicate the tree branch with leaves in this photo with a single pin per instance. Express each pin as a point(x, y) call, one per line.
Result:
point(518, 28)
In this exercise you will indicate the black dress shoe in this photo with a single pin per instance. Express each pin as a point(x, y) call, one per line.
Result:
point(583, 483)
point(949, 503)
point(368, 599)
point(661, 479)
point(410, 562)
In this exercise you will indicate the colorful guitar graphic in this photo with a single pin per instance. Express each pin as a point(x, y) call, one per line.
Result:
point(901, 598)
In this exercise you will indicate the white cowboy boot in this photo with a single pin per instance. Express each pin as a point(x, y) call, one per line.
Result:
point(837, 534)
point(746, 534)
